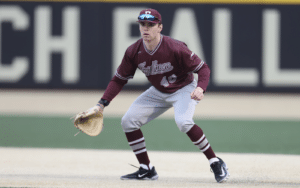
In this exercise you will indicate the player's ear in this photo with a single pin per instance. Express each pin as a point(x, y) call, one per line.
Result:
point(160, 26)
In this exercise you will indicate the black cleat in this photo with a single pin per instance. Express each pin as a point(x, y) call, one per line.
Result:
point(220, 170)
point(142, 174)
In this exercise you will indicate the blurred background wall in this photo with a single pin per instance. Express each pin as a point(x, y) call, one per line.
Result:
point(79, 44)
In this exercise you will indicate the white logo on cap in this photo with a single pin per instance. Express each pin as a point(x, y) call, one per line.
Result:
point(147, 12)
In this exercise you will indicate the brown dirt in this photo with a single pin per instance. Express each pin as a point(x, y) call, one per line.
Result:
point(24, 167)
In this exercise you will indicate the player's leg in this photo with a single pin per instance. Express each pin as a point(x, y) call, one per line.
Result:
point(145, 108)
point(218, 166)
point(184, 108)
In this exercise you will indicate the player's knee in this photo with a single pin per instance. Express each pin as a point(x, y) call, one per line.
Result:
point(129, 124)
point(184, 125)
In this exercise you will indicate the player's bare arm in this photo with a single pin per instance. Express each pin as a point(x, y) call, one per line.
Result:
point(197, 94)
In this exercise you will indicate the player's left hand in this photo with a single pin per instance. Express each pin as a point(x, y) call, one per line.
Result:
point(197, 94)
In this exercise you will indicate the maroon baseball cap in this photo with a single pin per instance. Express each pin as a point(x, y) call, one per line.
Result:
point(150, 15)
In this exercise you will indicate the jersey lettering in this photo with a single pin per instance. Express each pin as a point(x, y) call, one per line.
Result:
point(164, 82)
point(172, 78)
point(155, 68)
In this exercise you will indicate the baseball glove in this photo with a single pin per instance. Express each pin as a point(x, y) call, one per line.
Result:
point(90, 122)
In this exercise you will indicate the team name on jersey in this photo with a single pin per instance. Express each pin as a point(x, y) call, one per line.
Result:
point(155, 68)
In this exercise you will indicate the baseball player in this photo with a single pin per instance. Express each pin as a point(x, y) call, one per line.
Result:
point(169, 66)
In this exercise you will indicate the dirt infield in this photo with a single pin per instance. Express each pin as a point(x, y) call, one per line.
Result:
point(29, 167)
point(22, 167)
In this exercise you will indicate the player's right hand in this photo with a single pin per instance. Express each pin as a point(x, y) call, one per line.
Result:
point(197, 94)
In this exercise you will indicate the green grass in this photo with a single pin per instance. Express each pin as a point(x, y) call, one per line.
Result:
point(162, 134)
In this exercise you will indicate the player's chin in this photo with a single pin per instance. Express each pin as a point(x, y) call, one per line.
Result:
point(146, 37)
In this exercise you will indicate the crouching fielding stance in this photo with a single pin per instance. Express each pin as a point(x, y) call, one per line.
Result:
point(169, 66)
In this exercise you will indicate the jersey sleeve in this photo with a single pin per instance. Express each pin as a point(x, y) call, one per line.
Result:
point(194, 64)
point(113, 89)
point(124, 72)
point(127, 68)
point(190, 61)
point(203, 76)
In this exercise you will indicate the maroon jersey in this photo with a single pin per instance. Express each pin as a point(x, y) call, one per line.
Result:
point(168, 67)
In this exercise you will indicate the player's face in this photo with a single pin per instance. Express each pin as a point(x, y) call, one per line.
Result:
point(150, 31)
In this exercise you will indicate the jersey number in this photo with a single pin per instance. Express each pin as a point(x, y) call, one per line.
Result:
point(166, 82)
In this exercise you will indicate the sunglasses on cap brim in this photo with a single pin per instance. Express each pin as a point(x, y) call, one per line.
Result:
point(147, 17)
